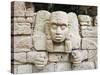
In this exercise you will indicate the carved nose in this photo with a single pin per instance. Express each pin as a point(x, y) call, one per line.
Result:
point(58, 31)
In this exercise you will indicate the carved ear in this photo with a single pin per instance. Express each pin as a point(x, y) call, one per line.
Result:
point(47, 31)
point(39, 37)
point(74, 29)
point(49, 45)
point(68, 46)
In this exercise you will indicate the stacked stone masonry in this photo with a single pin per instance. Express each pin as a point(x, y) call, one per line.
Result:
point(32, 48)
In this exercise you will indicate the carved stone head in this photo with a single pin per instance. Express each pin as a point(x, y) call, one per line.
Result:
point(58, 26)
point(57, 32)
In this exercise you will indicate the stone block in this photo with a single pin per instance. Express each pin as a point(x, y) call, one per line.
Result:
point(18, 19)
point(20, 50)
point(78, 56)
point(49, 46)
point(84, 54)
point(19, 5)
point(40, 59)
point(50, 67)
point(18, 8)
point(89, 43)
point(83, 66)
point(92, 55)
point(58, 57)
point(63, 66)
point(77, 41)
point(21, 28)
point(18, 13)
point(22, 69)
point(39, 40)
point(22, 42)
point(19, 57)
point(89, 31)
point(85, 20)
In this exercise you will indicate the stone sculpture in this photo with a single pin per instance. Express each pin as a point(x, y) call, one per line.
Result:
point(54, 41)
point(58, 33)
point(55, 32)
point(38, 58)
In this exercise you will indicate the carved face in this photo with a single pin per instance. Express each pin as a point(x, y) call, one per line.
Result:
point(58, 32)
point(58, 26)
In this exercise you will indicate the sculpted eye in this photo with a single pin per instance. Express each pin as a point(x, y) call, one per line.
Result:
point(54, 26)
point(63, 27)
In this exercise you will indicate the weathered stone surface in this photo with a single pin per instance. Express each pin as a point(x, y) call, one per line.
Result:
point(39, 40)
point(84, 54)
point(19, 5)
point(85, 20)
point(22, 42)
point(78, 56)
point(21, 50)
point(68, 46)
point(42, 18)
point(89, 43)
point(83, 66)
point(34, 69)
point(19, 8)
point(74, 29)
point(59, 17)
point(62, 67)
point(39, 37)
point(49, 46)
point(30, 19)
point(19, 13)
point(18, 19)
point(50, 67)
point(27, 68)
point(89, 31)
point(58, 57)
point(21, 28)
point(92, 55)
point(58, 47)
point(19, 57)
point(40, 59)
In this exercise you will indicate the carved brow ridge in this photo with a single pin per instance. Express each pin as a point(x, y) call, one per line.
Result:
point(59, 24)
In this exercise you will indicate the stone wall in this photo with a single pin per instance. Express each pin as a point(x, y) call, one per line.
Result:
point(23, 26)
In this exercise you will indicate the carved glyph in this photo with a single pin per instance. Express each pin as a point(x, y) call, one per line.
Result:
point(85, 20)
point(38, 58)
point(78, 56)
